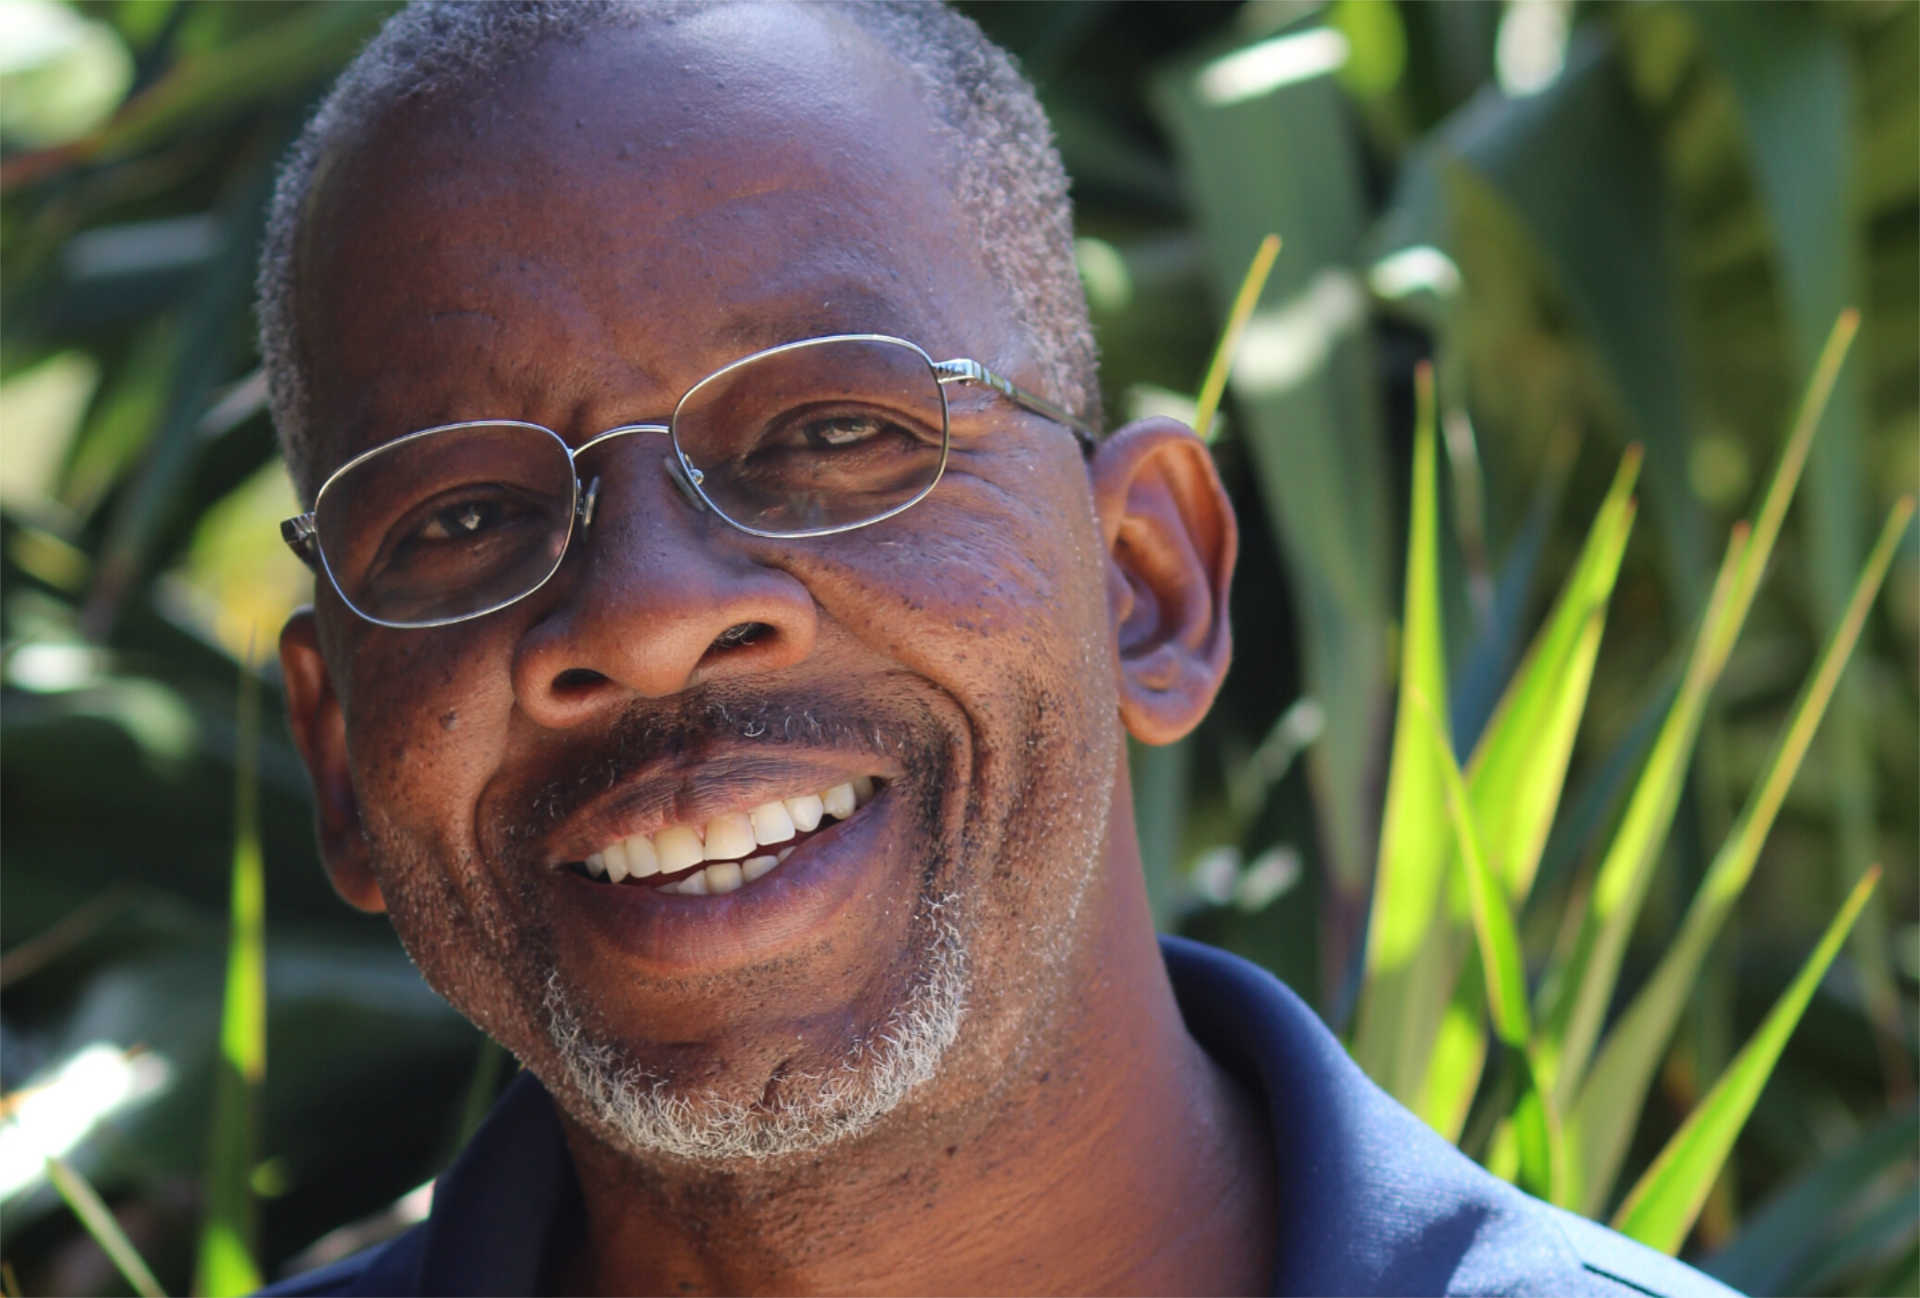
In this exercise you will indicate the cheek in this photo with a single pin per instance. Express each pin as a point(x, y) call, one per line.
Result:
point(987, 576)
point(998, 599)
point(425, 728)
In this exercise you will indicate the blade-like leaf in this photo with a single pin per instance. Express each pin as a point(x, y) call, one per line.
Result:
point(1603, 1118)
point(1214, 385)
point(225, 1263)
point(1791, 74)
point(1576, 996)
point(1661, 1207)
point(106, 1232)
point(1517, 774)
point(1493, 926)
point(1520, 764)
point(1777, 1243)
point(1408, 880)
point(1505, 988)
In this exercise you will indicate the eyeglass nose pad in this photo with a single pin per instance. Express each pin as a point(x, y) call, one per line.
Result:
point(588, 498)
point(687, 478)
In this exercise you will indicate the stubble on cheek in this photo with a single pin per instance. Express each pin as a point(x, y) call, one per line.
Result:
point(472, 933)
point(476, 944)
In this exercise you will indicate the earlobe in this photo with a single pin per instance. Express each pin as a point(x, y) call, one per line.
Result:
point(320, 732)
point(1171, 542)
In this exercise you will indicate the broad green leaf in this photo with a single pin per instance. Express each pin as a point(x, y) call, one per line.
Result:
point(1305, 387)
point(1458, 1055)
point(1390, 1038)
point(265, 64)
point(199, 366)
point(1878, 1235)
point(1574, 170)
point(225, 1263)
point(1603, 1117)
point(1576, 995)
point(1777, 1243)
point(1661, 1207)
point(100, 1224)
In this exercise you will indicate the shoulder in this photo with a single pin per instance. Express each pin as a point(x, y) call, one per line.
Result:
point(1371, 1199)
point(506, 1203)
point(391, 1268)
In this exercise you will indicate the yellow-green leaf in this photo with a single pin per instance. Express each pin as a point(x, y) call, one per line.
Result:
point(1662, 1206)
point(1518, 771)
point(1576, 996)
point(1391, 1031)
point(1214, 385)
point(224, 1263)
point(1603, 1117)
point(1498, 943)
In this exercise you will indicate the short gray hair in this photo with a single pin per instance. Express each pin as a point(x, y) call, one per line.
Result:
point(1006, 173)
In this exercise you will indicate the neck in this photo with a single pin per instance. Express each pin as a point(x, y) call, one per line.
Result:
point(1116, 1157)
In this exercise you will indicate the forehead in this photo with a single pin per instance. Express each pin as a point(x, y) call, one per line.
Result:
point(589, 231)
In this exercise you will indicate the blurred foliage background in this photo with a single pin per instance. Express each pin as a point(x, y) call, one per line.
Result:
point(1606, 224)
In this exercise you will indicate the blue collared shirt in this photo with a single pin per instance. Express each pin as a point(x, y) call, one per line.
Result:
point(1370, 1199)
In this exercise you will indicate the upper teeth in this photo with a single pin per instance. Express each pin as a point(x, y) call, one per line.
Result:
point(727, 839)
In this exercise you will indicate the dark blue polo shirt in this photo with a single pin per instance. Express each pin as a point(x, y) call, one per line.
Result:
point(1370, 1200)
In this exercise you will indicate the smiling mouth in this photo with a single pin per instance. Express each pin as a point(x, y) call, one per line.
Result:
point(727, 852)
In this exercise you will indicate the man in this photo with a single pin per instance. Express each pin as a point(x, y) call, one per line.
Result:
point(727, 631)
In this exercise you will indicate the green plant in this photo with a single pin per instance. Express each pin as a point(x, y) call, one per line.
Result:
point(1459, 854)
point(1647, 247)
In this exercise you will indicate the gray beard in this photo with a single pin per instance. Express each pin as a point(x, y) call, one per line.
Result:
point(643, 1114)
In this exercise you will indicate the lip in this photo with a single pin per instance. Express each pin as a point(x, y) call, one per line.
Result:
point(842, 867)
point(694, 794)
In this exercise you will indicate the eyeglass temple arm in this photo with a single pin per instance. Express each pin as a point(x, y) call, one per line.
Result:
point(971, 371)
point(299, 534)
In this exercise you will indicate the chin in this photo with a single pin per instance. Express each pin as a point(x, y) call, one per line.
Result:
point(649, 1115)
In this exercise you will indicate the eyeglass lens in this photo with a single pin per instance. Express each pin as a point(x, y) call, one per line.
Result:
point(815, 437)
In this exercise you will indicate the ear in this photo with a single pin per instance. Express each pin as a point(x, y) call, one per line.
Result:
point(320, 732)
point(1171, 541)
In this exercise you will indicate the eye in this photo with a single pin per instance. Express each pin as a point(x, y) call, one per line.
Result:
point(470, 520)
point(467, 519)
point(844, 430)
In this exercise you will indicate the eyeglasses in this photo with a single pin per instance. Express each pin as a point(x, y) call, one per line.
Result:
point(806, 439)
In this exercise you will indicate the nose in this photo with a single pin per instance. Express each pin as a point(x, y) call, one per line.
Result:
point(657, 597)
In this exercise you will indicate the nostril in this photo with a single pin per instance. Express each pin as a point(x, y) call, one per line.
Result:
point(742, 633)
point(575, 679)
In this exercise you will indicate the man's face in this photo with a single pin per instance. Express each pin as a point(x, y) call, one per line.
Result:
point(574, 245)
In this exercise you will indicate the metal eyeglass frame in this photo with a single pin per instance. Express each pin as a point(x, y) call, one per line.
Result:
point(301, 533)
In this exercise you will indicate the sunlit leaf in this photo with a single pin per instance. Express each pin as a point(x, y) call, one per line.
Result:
point(100, 1224)
point(1792, 80)
point(1214, 385)
point(1607, 1110)
point(1516, 775)
point(1409, 879)
point(225, 1262)
point(1576, 996)
point(1505, 987)
point(1661, 1207)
